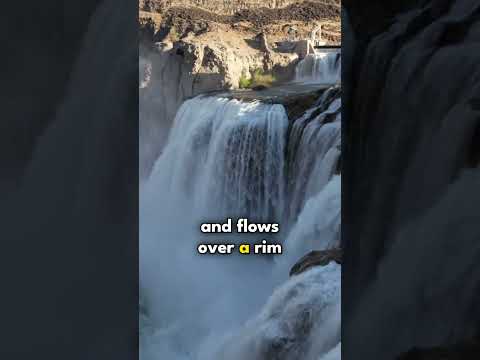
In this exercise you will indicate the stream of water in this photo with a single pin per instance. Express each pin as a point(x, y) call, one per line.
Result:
point(230, 159)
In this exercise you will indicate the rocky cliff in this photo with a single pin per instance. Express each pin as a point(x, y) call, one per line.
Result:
point(172, 72)
point(186, 51)
point(296, 20)
point(221, 6)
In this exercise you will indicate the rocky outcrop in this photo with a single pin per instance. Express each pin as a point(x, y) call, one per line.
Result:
point(217, 59)
point(316, 258)
point(226, 6)
point(191, 50)
point(299, 19)
point(294, 97)
point(173, 72)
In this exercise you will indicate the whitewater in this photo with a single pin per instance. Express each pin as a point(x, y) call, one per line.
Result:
point(322, 67)
point(226, 158)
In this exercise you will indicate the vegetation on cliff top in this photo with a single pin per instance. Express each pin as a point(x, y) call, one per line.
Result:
point(258, 79)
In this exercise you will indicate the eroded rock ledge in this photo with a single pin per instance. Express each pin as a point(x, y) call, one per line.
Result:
point(317, 258)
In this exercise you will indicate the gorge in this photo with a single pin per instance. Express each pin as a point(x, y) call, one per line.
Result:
point(239, 154)
point(211, 151)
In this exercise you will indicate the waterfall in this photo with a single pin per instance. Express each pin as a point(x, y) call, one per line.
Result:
point(312, 231)
point(321, 67)
point(313, 150)
point(226, 156)
point(229, 158)
point(300, 321)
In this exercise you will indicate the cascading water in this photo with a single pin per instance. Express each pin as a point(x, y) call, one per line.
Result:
point(318, 133)
point(224, 159)
point(321, 67)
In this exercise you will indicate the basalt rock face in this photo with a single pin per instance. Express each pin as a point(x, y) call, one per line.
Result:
point(411, 148)
point(172, 72)
point(222, 6)
point(297, 19)
point(316, 258)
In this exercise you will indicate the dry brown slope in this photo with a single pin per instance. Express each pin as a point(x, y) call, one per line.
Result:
point(225, 7)
point(275, 22)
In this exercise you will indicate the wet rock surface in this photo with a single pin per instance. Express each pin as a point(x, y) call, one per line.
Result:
point(316, 258)
point(296, 98)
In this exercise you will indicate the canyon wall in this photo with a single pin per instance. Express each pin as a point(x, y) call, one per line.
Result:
point(188, 68)
point(227, 7)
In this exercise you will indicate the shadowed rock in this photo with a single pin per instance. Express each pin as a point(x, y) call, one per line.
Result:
point(316, 258)
point(464, 351)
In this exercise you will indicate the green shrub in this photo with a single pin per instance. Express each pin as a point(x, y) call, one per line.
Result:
point(258, 78)
point(244, 83)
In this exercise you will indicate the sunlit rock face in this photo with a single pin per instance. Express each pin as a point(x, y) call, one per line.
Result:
point(170, 73)
point(411, 135)
point(220, 6)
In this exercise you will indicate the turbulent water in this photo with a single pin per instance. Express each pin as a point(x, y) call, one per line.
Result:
point(228, 159)
point(321, 67)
